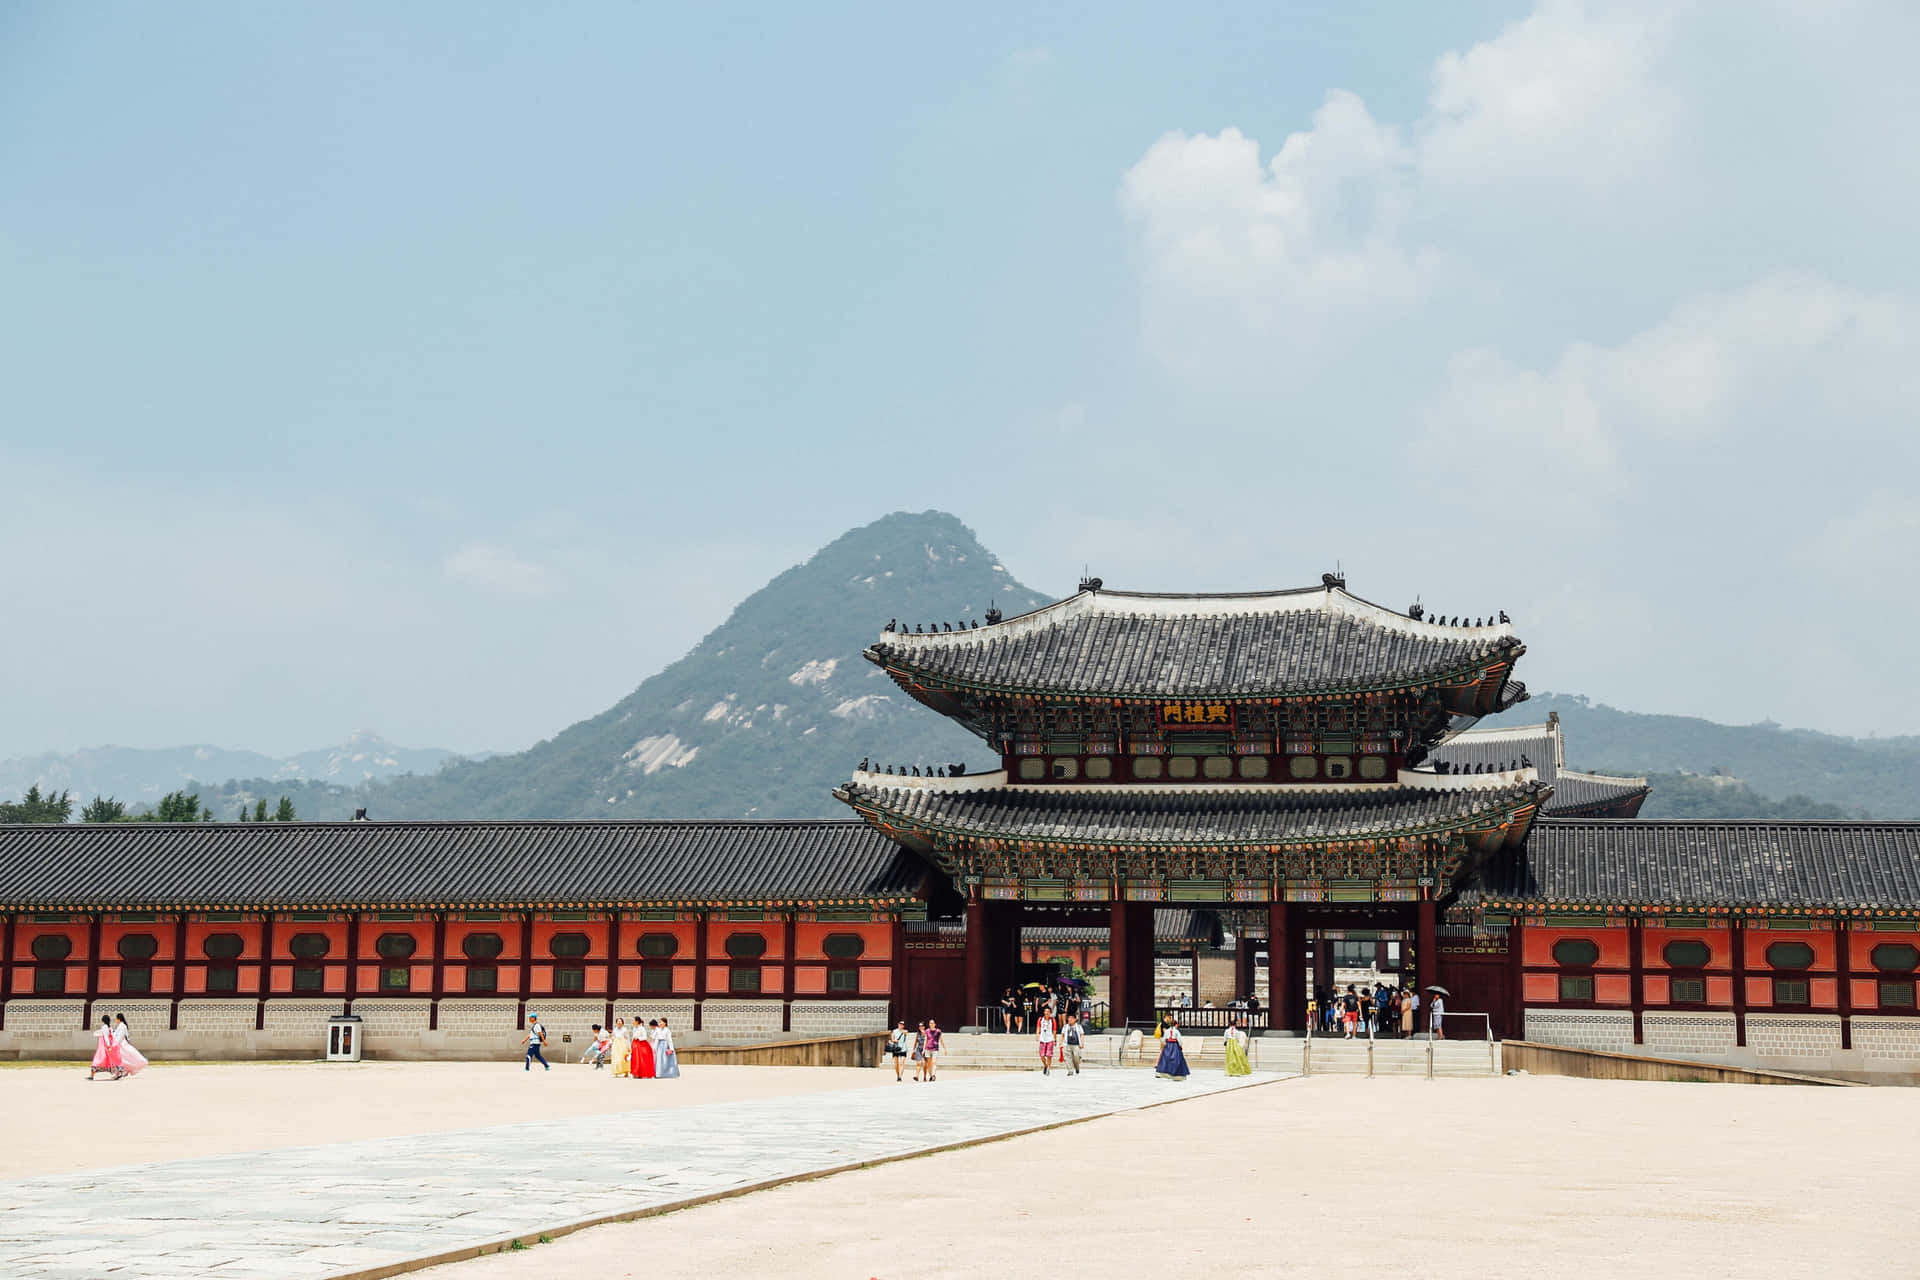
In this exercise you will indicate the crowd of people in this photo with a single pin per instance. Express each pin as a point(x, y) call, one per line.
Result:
point(1022, 1009)
point(1379, 1010)
point(920, 1047)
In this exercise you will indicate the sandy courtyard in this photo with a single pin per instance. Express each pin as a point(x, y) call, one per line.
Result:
point(56, 1121)
point(1342, 1176)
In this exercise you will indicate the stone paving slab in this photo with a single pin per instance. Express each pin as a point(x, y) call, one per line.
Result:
point(355, 1207)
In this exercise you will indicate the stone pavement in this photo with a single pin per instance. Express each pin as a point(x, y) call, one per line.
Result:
point(353, 1207)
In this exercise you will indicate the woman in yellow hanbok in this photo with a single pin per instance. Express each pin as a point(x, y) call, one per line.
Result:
point(622, 1049)
point(1236, 1049)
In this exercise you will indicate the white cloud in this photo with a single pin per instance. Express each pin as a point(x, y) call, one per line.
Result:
point(1565, 96)
point(495, 568)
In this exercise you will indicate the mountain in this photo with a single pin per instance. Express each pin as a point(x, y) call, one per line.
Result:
point(768, 712)
point(139, 775)
point(1859, 777)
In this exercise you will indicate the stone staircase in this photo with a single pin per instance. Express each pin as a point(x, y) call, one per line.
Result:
point(1290, 1055)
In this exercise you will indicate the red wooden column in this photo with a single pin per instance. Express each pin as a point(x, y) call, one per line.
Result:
point(353, 956)
point(93, 968)
point(613, 968)
point(1843, 961)
point(1737, 931)
point(1427, 951)
point(7, 941)
point(977, 945)
point(1283, 978)
point(1242, 964)
point(786, 975)
point(180, 969)
point(439, 970)
point(704, 920)
point(266, 973)
point(1516, 980)
point(897, 975)
point(1119, 966)
point(1636, 980)
point(526, 966)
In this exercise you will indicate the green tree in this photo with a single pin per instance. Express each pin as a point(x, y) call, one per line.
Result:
point(34, 807)
point(176, 806)
point(104, 809)
point(284, 812)
point(260, 810)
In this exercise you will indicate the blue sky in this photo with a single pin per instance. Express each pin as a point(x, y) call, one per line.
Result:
point(448, 369)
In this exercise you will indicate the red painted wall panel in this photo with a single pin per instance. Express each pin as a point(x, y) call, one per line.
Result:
point(1866, 993)
point(1822, 942)
point(1540, 988)
point(160, 931)
point(1612, 988)
point(808, 939)
point(1656, 988)
point(877, 981)
point(684, 976)
point(1759, 993)
point(716, 979)
point(809, 980)
point(719, 931)
point(772, 980)
point(1719, 943)
point(1824, 993)
point(1720, 991)
point(1537, 944)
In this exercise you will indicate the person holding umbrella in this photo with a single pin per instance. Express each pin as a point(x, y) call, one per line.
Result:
point(1439, 1010)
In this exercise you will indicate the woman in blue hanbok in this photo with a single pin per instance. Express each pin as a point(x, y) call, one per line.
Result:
point(1173, 1060)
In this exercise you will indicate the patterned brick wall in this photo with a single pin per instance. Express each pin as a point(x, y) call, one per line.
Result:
point(392, 1019)
point(45, 1018)
point(678, 1013)
point(1581, 1029)
point(1793, 1035)
point(820, 1018)
point(216, 1019)
point(145, 1018)
point(741, 1019)
point(564, 1018)
point(479, 1017)
point(1688, 1034)
point(300, 1023)
point(1896, 1038)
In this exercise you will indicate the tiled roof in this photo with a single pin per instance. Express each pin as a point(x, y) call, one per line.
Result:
point(1129, 644)
point(1170, 924)
point(352, 864)
point(1187, 815)
point(1544, 746)
point(1636, 862)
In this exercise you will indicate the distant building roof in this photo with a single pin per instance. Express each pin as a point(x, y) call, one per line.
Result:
point(1170, 924)
point(1141, 645)
point(449, 864)
point(1641, 862)
point(1575, 794)
point(984, 807)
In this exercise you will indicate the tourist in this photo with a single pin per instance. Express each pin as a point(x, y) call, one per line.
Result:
point(106, 1051)
point(1406, 1014)
point(622, 1050)
point(1043, 1036)
point(1439, 1012)
point(1236, 1050)
point(1350, 1010)
point(1253, 1006)
point(642, 1067)
point(1009, 1012)
point(1313, 1010)
point(132, 1061)
point(899, 1045)
point(535, 1040)
point(601, 1048)
point(1413, 999)
point(1173, 1060)
point(932, 1052)
point(666, 1058)
point(1073, 1038)
point(1379, 1012)
point(920, 1052)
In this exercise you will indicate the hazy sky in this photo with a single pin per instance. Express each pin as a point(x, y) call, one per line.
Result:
point(447, 369)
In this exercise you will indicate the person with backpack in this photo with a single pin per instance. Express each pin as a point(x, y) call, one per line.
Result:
point(535, 1041)
point(1043, 1034)
point(1074, 1039)
point(1350, 1010)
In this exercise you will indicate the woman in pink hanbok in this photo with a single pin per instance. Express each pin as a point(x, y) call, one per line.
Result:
point(106, 1051)
point(132, 1061)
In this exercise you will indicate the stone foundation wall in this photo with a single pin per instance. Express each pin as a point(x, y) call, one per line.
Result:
point(1582, 1028)
point(1890, 1039)
point(741, 1020)
point(1687, 1035)
point(1793, 1035)
point(821, 1018)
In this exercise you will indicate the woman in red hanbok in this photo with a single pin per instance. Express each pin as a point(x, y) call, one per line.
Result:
point(642, 1064)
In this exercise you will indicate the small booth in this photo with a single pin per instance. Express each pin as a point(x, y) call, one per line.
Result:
point(343, 1038)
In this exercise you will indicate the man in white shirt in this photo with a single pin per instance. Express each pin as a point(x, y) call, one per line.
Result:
point(1043, 1033)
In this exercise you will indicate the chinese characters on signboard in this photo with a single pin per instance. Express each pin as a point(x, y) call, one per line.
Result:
point(1196, 715)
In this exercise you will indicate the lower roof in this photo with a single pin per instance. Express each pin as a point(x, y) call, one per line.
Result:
point(1188, 815)
point(1636, 862)
point(450, 864)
